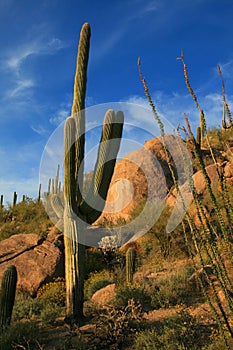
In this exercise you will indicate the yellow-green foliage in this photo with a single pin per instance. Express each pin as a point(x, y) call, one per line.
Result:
point(53, 292)
point(97, 281)
point(177, 332)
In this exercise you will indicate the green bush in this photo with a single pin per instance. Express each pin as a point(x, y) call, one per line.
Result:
point(137, 293)
point(26, 308)
point(25, 217)
point(94, 260)
point(173, 289)
point(176, 333)
point(50, 313)
point(21, 335)
point(97, 281)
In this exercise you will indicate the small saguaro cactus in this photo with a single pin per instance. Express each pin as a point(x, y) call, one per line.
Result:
point(130, 264)
point(8, 288)
point(39, 194)
point(198, 136)
point(14, 199)
point(75, 210)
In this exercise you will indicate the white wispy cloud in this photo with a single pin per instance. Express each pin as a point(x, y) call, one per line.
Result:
point(152, 6)
point(20, 169)
point(125, 23)
point(227, 68)
point(39, 129)
point(19, 80)
point(59, 116)
point(22, 86)
point(35, 47)
point(172, 108)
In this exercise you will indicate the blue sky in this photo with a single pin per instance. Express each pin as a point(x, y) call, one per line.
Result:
point(39, 41)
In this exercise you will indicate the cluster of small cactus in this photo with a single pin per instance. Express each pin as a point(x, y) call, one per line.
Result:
point(73, 208)
point(8, 288)
point(130, 264)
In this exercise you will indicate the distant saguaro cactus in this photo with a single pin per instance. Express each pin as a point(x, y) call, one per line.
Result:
point(14, 199)
point(8, 288)
point(39, 194)
point(130, 264)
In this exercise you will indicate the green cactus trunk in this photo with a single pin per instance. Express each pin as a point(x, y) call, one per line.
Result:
point(77, 210)
point(39, 194)
point(8, 288)
point(198, 136)
point(130, 264)
point(14, 199)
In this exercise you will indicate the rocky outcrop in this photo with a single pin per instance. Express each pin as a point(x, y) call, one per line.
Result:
point(140, 175)
point(200, 185)
point(37, 260)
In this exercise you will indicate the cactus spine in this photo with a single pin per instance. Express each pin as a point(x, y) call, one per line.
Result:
point(75, 206)
point(8, 288)
point(130, 264)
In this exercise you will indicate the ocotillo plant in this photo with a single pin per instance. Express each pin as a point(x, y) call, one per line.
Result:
point(76, 208)
point(130, 264)
point(8, 288)
point(226, 109)
point(213, 237)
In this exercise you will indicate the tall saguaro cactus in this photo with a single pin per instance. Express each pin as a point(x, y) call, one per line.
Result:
point(79, 211)
point(8, 288)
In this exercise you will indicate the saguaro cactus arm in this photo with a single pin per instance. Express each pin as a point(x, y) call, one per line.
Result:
point(109, 145)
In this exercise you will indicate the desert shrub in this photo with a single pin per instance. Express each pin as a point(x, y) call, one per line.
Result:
point(21, 335)
point(25, 307)
point(94, 260)
point(172, 289)
point(25, 217)
point(137, 293)
point(50, 313)
point(179, 332)
point(97, 281)
point(53, 292)
point(116, 324)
